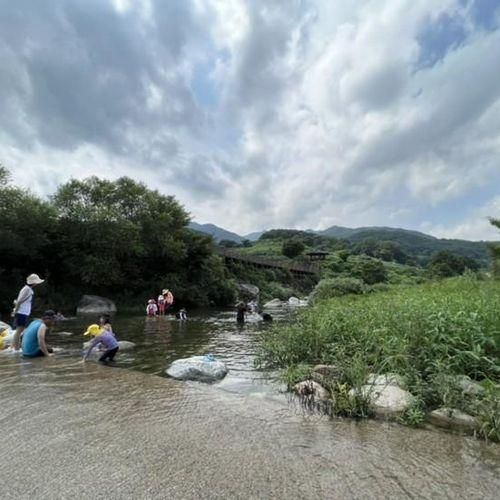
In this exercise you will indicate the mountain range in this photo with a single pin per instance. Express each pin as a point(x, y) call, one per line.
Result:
point(412, 242)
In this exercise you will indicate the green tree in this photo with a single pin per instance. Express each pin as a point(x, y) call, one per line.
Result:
point(370, 270)
point(292, 248)
point(27, 227)
point(444, 264)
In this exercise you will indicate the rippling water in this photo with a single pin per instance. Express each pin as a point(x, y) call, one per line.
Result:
point(88, 431)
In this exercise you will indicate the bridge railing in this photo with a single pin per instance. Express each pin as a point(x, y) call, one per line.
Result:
point(294, 267)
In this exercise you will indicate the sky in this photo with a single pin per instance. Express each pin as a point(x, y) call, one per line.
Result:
point(259, 114)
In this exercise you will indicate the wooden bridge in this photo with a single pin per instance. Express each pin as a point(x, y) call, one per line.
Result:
point(298, 269)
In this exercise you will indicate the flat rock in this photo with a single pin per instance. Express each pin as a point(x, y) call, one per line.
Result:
point(93, 304)
point(385, 400)
point(385, 379)
point(450, 418)
point(311, 389)
point(199, 368)
point(274, 303)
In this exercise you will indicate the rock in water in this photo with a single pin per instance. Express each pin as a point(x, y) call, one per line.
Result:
point(199, 368)
point(310, 388)
point(273, 303)
point(248, 292)
point(293, 301)
point(125, 345)
point(93, 304)
point(453, 419)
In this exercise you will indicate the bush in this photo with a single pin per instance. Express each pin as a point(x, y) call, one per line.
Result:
point(426, 333)
point(292, 248)
point(336, 287)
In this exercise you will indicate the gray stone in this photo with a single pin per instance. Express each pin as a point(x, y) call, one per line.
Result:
point(293, 301)
point(248, 292)
point(468, 386)
point(93, 304)
point(311, 389)
point(450, 418)
point(385, 379)
point(385, 400)
point(198, 368)
point(273, 303)
point(125, 345)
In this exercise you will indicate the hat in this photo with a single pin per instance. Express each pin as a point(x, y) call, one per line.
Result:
point(93, 330)
point(151, 301)
point(34, 279)
point(165, 290)
point(49, 314)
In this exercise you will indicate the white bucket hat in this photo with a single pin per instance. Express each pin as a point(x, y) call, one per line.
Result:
point(34, 279)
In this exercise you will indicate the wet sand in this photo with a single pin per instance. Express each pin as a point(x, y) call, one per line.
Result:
point(86, 431)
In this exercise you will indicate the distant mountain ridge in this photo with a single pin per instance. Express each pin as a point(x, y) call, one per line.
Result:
point(218, 233)
point(412, 242)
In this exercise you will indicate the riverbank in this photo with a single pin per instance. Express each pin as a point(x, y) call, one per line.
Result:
point(87, 431)
point(432, 336)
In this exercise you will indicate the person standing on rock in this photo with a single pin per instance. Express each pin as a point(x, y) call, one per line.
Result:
point(22, 308)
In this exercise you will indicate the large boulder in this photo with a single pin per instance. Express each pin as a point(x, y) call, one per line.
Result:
point(248, 292)
point(450, 418)
point(93, 304)
point(201, 368)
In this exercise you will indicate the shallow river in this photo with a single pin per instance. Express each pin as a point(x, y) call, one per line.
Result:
point(89, 431)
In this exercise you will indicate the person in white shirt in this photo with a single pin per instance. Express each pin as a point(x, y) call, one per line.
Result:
point(22, 308)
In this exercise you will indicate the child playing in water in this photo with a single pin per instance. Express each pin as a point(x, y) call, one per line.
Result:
point(161, 305)
point(102, 337)
point(151, 308)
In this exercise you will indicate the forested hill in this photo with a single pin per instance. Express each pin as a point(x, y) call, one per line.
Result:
point(413, 243)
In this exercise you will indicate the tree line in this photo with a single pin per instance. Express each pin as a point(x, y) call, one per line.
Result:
point(114, 238)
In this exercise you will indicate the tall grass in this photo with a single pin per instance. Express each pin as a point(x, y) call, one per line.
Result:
point(426, 333)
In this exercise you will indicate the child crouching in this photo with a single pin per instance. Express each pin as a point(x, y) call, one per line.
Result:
point(106, 339)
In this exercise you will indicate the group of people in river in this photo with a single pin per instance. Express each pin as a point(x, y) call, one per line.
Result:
point(163, 304)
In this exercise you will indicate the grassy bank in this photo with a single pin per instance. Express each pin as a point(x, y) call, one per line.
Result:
point(426, 333)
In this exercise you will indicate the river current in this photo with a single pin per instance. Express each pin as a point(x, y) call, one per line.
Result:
point(89, 431)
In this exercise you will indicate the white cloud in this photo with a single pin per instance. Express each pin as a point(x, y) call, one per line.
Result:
point(323, 115)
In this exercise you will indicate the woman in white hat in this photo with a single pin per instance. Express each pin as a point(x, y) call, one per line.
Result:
point(22, 308)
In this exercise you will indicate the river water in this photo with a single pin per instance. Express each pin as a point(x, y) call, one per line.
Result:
point(90, 431)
